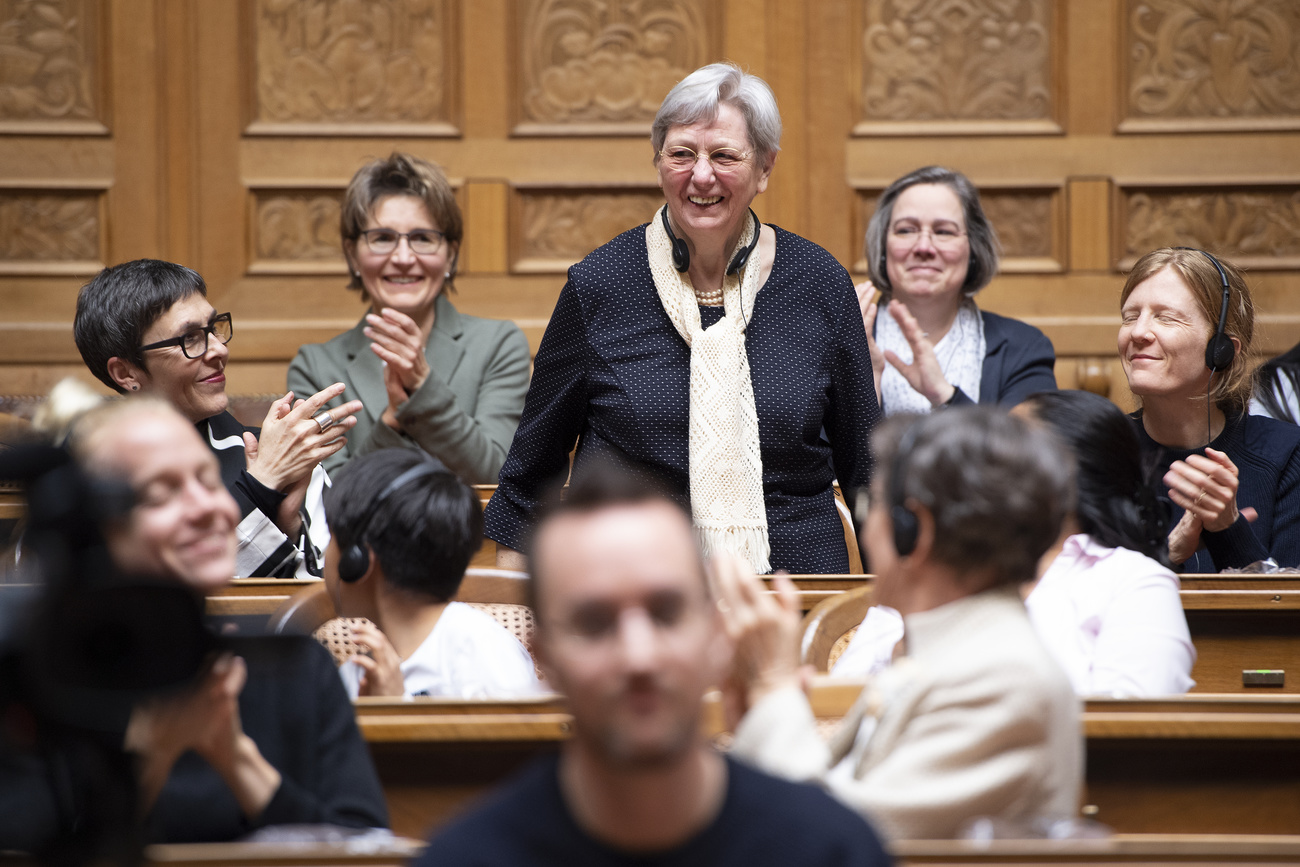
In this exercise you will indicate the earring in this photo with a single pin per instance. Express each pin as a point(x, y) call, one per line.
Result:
point(135, 388)
point(446, 275)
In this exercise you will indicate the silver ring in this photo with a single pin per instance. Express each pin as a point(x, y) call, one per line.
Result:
point(324, 419)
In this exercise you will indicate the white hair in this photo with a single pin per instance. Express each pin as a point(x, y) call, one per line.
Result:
point(696, 97)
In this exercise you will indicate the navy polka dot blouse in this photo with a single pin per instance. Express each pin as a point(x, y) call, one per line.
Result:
point(613, 375)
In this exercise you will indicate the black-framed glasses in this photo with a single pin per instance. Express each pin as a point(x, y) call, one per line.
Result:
point(194, 343)
point(423, 242)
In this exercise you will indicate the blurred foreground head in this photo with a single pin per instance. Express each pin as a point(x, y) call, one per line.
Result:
point(182, 524)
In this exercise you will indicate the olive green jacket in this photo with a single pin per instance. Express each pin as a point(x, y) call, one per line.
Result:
point(465, 413)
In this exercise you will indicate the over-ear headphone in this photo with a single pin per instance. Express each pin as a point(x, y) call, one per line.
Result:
point(906, 525)
point(355, 559)
point(682, 253)
point(1219, 352)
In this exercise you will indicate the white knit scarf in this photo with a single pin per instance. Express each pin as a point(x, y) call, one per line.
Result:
point(726, 467)
point(960, 352)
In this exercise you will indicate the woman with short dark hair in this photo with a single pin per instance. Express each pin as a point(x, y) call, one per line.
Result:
point(930, 248)
point(146, 327)
point(430, 377)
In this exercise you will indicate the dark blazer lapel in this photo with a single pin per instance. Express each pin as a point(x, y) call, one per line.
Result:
point(444, 348)
point(365, 373)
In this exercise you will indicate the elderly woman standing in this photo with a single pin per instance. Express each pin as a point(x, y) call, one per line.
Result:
point(430, 377)
point(930, 249)
point(707, 349)
point(1186, 324)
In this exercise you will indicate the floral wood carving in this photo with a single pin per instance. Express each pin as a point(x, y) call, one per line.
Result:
point(298, 227)
point(46, 68)
point(49, 227)
point(1023, 221)
point(606, 61)
point(563, 227)
point(957, 60)
point(351, 61)
point(1253, 224)
point(1214, 59)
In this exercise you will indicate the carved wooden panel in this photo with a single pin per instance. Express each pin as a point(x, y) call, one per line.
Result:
point(1029, 222)
point(551, 229)
point(1257, 227)
point(604, 66)
point(49, 81)
point(45, 232)
point(344, 67)
point(1205, 64)
point(295, 232)
point(935, 67)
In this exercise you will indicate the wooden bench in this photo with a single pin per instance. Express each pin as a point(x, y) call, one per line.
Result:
point(1237, 622)
point(1190, 764)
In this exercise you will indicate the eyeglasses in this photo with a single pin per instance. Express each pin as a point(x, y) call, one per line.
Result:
point(194, 343)
point(682, 159)
point(943, 237)
point(424, 242)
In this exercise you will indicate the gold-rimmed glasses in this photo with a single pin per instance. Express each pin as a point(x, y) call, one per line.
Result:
point(680, 158)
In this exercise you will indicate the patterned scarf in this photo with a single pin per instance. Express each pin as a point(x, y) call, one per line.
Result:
point(960, 352)
point(726, 467)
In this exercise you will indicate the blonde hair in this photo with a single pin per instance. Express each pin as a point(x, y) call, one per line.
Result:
point(1230, 388)
point(67, 401)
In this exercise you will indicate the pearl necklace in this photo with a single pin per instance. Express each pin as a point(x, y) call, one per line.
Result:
point(709, 299)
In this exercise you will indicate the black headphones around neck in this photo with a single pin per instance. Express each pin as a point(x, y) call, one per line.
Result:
point(682, 253)
point(1219, 352)
point(354, 562)
point(907, 526)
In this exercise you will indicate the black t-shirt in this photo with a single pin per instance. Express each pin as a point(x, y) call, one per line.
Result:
point(763, 821)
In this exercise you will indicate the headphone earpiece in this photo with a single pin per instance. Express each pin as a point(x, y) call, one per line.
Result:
point(354, 561)
point(682, 253)
point(1220, 351)
point(907, 528)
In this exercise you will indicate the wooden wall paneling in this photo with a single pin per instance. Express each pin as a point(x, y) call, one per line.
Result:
point(294, 231)
point(602, 67)
point(829, 119)
point(486, 246)
point(52, 232)
point(1196, 65)
point(552, 228)
point(53, 80)
point(387, 67)
point(1090, 52)
point(1256, 226)
point(487, 62)
point(960, 67)
point(1091, 224)
point(138, 207)
point(786, 200)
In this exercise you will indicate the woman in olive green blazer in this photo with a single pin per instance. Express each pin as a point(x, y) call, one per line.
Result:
point(429, 376)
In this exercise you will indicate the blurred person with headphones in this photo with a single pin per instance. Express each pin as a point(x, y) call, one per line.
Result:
point(403, 530)
point(975, 719)
point(1232, 480)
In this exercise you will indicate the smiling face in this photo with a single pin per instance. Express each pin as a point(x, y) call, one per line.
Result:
point(927, 251)
point(704, 205)
point(195, 386)
point(626, 629)
point(403, 280)
point(183, 524)
point(1162, 337)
